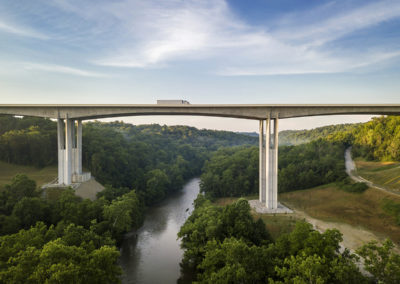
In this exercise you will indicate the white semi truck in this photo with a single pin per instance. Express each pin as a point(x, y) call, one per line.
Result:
point(172, 102)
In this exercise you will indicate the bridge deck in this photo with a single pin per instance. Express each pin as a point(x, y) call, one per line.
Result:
point(255, 111)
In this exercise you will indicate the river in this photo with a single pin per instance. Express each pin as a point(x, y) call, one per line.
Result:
point(152, 254)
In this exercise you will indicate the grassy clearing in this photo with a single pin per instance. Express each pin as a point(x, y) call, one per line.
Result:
point(386, 174)
point(41, 176)
point(223, 201)
point(364, 210)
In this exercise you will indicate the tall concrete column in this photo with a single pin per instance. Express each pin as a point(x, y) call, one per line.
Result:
point(79, 147)
point(73, 146)
point(73, 134)
point(268, 173)
point(61, 150)
point(68, 152)
point(261, 171)
point(271, 164)
point(275, 166)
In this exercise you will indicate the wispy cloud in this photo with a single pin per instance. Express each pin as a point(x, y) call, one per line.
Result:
point(318, 66)
point(337, 24)
point(21, 31)
point(61, 69)
point(160, 33)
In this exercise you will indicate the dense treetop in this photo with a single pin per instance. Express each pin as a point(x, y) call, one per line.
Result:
point(225, 245)
point(67, 240)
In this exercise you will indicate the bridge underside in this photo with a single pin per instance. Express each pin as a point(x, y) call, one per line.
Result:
point(69, 121)
point(257, 112)
point(69, 134)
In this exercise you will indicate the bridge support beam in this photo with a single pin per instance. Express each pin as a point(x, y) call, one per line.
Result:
point(262, 169)
point(268, 164)
point(70, 152)
point(61, 150)
point(78, 155)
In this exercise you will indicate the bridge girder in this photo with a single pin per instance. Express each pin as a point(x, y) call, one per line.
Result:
point(257, 112)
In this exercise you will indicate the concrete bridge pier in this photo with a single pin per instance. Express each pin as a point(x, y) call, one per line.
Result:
point(261, 167)
point(70, 152)
point(268, 163)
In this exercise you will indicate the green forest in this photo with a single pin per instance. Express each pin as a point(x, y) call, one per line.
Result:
point(296, 137)
point(219, 253)
point(226, 245)
point(234, 171)
point(74, 240)
point(66, 239)
point(377, 139)
point(152, 159)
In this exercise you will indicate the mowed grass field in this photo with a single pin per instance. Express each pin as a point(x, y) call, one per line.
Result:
point(41, 176)
point(386, 174)
point(329, 203)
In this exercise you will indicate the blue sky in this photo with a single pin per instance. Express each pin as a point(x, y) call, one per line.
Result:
point(204, 51)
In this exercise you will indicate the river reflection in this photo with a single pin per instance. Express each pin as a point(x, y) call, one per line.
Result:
point(153, 253)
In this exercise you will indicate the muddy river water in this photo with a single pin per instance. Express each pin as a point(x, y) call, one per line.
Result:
point(152, 254)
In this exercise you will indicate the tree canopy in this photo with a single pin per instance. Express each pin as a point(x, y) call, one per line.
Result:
point(226, 245)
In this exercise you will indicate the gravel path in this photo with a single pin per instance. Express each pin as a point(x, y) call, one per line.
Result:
point(353, 237)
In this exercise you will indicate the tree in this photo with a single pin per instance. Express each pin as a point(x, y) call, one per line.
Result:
point(66, 207)
point(124, 213)
point(43, 255)
point(237, 221)
point(211, 223)
point(22, 186)
point(234, 261)
point(30, 210)
point(157, 184)
point(314, 268)
point(381, 261)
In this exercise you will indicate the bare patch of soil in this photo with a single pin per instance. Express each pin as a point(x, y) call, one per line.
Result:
point(89, 189)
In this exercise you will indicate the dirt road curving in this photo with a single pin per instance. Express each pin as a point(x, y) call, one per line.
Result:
point(351, 170)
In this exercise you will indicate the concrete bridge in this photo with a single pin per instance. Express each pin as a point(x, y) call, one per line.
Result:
point(70, 117)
